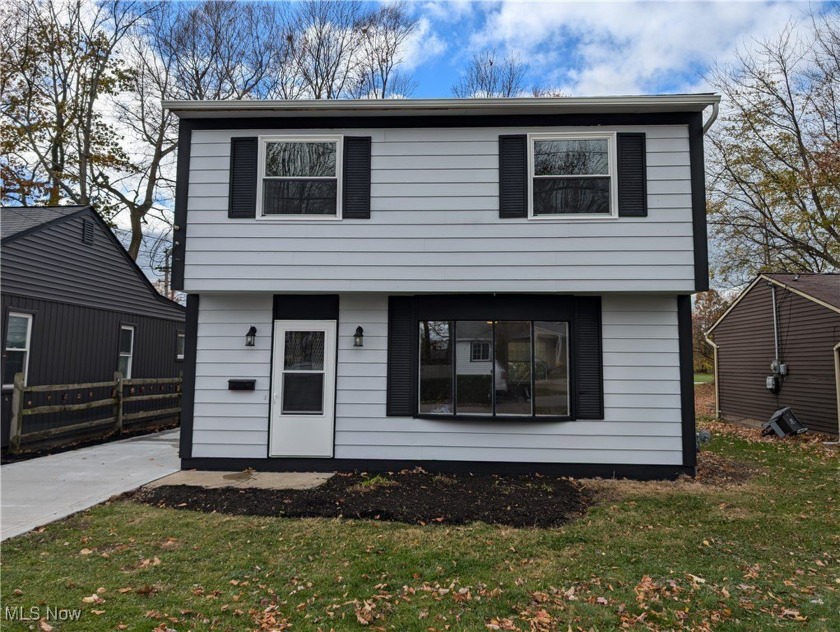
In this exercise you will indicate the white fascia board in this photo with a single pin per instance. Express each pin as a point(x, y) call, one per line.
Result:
point(444, 107)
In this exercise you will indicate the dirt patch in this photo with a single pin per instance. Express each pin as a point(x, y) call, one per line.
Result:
point(718, 471)
point(412, 496)
point(714, 472)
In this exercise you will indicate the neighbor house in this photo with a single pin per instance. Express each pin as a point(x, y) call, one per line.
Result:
point(487, 284)
point(778, 345)
point(76, 308)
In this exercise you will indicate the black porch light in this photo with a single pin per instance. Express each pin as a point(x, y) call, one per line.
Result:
point(251, 337)
point(359, 337)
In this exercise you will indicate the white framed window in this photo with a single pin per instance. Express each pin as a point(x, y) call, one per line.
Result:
point(480, 351)
point(299, 177)
point(16, 347)
point(126, 357)
point(180, 340)
point(572, 176)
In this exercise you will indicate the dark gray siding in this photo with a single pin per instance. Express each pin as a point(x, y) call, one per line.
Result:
point(807, 335)
point(76, 344)
point(55, 264)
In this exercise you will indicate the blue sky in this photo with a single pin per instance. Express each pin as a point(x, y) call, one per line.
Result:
point(592, 48)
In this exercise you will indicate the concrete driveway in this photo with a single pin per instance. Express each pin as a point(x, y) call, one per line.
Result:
point(49, 488)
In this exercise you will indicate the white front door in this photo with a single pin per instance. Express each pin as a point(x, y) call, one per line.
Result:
point(303, 388)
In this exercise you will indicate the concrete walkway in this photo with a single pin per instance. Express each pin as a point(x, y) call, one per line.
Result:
point(49, 488)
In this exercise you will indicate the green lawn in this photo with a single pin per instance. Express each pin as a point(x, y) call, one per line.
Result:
point(704, 377)
point(653, 556)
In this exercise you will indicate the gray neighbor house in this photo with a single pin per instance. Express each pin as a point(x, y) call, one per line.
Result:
point(494, 285)
point(76, 308)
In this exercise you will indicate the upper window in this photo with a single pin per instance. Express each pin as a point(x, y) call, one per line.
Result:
point(16, 349)
point(573, 175)
point(523, 371)
point(126, 351)
point(300, 177)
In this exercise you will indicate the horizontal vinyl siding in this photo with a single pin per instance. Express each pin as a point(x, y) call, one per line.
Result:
point(808, 333)
point(641, 396)
point(641, 392)
point(232, 424)
point(54, 264)
point(434, 226)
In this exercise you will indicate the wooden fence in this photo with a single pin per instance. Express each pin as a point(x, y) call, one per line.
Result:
point(113, 407)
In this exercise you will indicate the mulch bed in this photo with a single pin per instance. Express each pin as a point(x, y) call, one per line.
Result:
point(412, 496)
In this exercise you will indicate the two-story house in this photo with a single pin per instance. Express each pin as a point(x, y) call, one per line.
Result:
point(488, 284)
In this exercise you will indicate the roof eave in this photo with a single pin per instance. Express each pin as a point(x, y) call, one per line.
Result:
point(443, 107)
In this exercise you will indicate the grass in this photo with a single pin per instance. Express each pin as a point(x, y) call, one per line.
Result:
point(704, 378)
point(650, 556)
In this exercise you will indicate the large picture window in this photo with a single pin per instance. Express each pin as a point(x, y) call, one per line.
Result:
point(573, 175)
point(494, 368)
point(17, 346)
point(300, 177)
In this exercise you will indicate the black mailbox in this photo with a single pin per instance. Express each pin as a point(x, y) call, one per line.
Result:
point(241, 385)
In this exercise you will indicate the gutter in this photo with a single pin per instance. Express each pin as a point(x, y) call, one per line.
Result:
point(712, 117)
point(717, 382)
point(395, 107)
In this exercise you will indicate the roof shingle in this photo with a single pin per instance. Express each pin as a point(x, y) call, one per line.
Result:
point(15, 220)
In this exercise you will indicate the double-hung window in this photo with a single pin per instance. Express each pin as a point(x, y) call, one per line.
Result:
point(573, 175)
point(494, 368)
point(300, 177)
point(179, 345)
point(17, 346)
point(126, 357)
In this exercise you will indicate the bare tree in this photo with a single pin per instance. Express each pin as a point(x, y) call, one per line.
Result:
point(384, 36)
point(211, 50)
point(326, 42)
point(488, 76)
point(55, 134)
point(775, 170)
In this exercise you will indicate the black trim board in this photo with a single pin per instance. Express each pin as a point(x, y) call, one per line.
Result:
point(698, 202)
point(580, 470)
point(188, 384)
point(689, 439)
point(182, 191)
point(471, 120)
point(305, 307)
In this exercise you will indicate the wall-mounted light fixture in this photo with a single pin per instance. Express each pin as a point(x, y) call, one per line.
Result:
point(251, 337)
point(359, 337)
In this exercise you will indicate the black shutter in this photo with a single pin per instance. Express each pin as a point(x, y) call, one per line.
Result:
point(632, 175)
point(513, 176)
point(356, 192)
point(588, 365)
point(242, 200)
point(402, 357)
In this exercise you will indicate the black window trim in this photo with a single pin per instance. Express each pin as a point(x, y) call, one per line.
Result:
point(531, 418)
point(611, 137)
point(338, 139)
point(406, 311)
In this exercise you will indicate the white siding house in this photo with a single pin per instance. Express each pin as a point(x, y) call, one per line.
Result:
point(570, 231)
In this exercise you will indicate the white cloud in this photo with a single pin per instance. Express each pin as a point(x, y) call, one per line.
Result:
point(423, 46)
point(628, 48)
